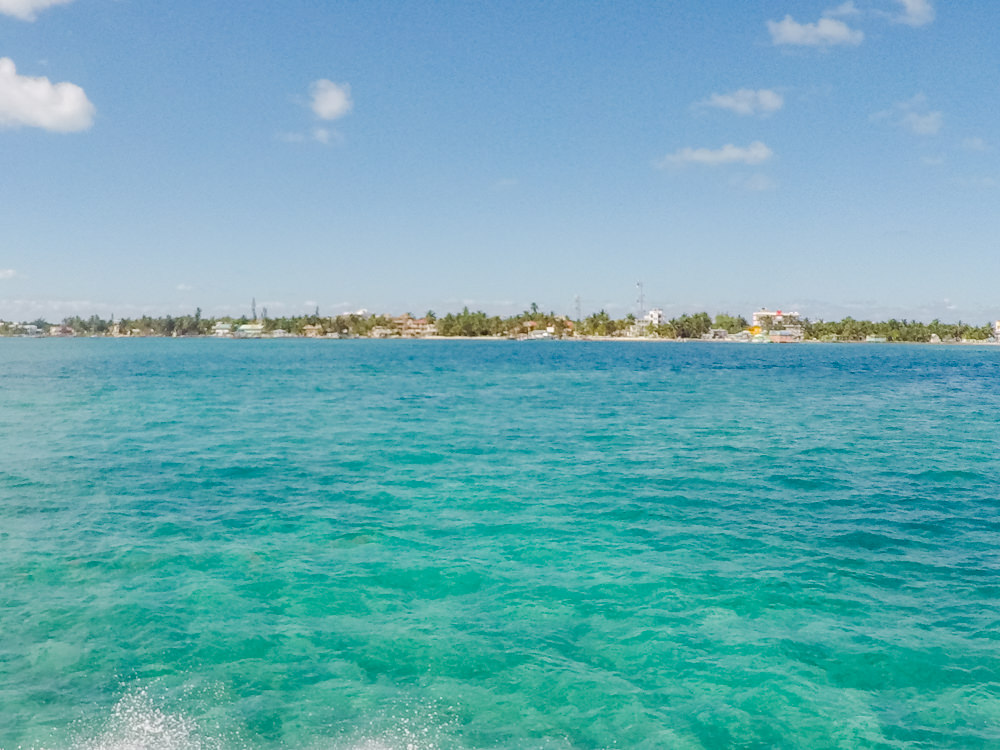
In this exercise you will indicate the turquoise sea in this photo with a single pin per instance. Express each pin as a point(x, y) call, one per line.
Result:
point(365, 545)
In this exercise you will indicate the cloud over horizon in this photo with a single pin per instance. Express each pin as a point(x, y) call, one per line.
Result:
point(27, 10)
point(747, 101)
point(330, 101)
point(843, 10)
point(916, 12)
point(755, 153)
point(26, 101)
point(913, 115)
point(975, 144)
point(826, 32)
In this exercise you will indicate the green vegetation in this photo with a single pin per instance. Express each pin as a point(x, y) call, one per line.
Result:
point(730, 323)
point(531, 322)
point(692, 326)
point(470, 324)
point(849, 329)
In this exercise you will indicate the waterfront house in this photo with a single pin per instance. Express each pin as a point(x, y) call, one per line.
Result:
point(768, 320)
point(779, 327)
point(419, 328)
point(641, 326)
point(789, 335)
point(538, 335)
point(411, 327)
point(250, 331)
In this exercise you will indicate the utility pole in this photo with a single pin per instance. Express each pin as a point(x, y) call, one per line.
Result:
point(579, 315)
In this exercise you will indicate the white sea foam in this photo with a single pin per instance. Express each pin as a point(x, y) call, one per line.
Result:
point(421, 730)
point(137, 724)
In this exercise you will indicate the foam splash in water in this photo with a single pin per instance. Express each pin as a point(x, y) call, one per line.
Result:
point(137, 724)
point(396, 741)
point(422, 730)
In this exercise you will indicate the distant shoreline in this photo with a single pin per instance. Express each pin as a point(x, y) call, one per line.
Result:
point(563, 340)
point(765, 326)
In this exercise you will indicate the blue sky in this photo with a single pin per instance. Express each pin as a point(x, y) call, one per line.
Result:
point(835, 158)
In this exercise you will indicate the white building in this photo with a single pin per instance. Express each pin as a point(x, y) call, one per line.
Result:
point(767, 320)
point(642, 325)
point(250, 331)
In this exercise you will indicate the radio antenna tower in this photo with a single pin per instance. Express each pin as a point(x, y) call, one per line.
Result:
point(642, 299)
point(576, 300)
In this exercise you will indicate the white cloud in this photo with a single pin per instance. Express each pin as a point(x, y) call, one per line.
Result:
point(27, 10)
point(826, 32)
point(927, 123)
point(916, 12)
point(327, 136)
point(755, 153)
point(932, 161)
point(747, 101)
point(843, 10)
point(39, 103)
point(975, 144)
point(7, 273)
point(913, 115)
point(184, 288)
point(330, 101)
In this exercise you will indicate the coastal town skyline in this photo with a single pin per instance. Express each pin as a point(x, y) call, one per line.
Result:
point(640, 307)
point(576, 309)
point(763, 326)
point(835, 158)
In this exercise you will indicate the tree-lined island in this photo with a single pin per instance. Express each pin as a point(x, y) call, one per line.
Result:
point(764, 326)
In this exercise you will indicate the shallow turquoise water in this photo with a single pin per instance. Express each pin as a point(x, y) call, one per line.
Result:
point(417, 545)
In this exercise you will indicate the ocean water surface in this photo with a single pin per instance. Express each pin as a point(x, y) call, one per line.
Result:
point(498, 545)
